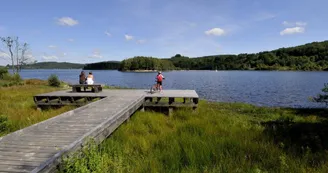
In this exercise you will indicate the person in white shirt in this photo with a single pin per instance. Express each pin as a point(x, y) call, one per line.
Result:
point(90, 79)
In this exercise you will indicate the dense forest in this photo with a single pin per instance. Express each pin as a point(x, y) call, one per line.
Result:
point(51, 65)
point(106, 65)
point(312, 56)
point(146, 63)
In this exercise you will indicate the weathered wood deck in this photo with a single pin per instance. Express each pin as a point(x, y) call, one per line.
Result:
point(39, 148)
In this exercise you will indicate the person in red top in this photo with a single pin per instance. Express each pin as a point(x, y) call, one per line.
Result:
point(159, 79)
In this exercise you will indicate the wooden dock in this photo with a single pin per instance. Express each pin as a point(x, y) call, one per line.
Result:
point(39, 148)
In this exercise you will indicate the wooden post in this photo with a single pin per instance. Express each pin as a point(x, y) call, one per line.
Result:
point(74, 88)
point(38, 108)
point(142, 108)
point(171, 100)
point(170, 111)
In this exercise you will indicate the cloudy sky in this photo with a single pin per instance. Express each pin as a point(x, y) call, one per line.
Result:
point(90, 31)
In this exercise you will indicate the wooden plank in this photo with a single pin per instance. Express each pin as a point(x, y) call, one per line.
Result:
point(13, 162)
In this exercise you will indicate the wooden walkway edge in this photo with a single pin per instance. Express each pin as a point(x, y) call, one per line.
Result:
point(39, 148)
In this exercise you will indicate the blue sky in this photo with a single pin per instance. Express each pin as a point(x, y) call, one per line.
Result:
point(92, 31)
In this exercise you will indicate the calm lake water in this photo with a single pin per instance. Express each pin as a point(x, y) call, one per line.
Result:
point(262, 88)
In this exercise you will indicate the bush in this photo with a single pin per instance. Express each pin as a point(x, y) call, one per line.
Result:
point(323, 97)
point(4, 124)
point(53, 80)
point(16, 77)
point(35, 82)
point(3, 71)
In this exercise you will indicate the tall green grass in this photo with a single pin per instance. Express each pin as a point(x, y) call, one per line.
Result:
point(218, 137)
point(18, 108)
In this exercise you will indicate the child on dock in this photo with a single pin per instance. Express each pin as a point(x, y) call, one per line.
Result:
point(159, 79)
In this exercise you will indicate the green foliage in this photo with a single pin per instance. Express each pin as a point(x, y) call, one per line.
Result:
point(322, 98)
point(18, 107)
point(53, 80)
point(108, 65)
point(145, 63)
point(310, 57)
point(218, 137)
point(52, 65)
point(3, 71)
point(4, 124)
point(8, 80)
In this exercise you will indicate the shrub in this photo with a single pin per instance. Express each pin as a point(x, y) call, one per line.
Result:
point(53, 80)
point(322, 97)
point(4, 124)
point(35, 82)
point(3, 71)
point(16, 77)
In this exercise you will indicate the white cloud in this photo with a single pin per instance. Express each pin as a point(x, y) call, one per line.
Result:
point(29, 56)
point(4, 55)
point(141, 41)
point(67, 21)
point(215, 32)
point(128, 37)
point(293, 30)
point(96, 54)
point(50, 57)
point(108, 34)
point(52, 46)
point(70, 40)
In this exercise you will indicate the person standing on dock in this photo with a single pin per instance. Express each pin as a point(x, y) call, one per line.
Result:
point(159, 79)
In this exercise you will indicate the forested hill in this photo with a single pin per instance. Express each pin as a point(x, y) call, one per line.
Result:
point(312, 56)
point(52, 65)
point(146, 63)
point(106, 65)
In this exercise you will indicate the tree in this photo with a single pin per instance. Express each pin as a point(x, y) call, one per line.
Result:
point(322, 98)
point(16, 51)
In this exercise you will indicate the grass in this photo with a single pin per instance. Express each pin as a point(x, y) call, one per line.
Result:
point(18, 109)
point(219, 137)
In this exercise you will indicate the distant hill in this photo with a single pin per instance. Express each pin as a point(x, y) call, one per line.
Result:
point(53, 65)
point(105, 65)
point(308, 57)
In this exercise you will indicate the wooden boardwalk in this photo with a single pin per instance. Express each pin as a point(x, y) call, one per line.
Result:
point(39, 148)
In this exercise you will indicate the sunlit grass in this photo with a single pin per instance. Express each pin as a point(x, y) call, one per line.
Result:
point(18, 107)
point(218, 137)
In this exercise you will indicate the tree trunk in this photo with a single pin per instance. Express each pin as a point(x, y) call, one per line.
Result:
point(12, 60)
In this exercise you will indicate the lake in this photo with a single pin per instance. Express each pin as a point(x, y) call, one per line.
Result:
point(261, 88)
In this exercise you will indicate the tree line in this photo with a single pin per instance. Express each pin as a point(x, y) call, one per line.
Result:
point(106, 65)
point(308, 57)
point(312, 56)
point(146, 63)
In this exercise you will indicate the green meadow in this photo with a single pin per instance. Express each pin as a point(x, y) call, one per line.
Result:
point(218, 137)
